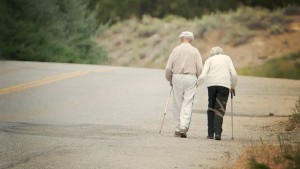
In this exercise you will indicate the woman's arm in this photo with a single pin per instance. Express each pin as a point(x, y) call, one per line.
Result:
point(204, 72)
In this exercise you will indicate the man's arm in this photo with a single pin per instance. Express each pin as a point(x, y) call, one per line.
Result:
point(199, 65)
point(168, 70)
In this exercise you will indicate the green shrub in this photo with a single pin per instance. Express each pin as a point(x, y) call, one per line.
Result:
point(237, 35)
point(208, 23)
point(292, 10)
point(296, 112)
point(49, 30)
point(260, 19)
point(255, 165)
point(287, 66)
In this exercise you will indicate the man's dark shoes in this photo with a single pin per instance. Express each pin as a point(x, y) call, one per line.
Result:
point(217, 137)
point(183, 132)
point(183, 135)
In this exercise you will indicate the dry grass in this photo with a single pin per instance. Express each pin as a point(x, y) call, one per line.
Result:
point(267, 156)
point(285, 155)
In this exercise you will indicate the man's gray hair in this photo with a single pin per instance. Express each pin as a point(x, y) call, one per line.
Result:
point(216, 51)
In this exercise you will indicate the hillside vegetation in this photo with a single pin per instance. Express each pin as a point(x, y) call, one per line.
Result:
point(251, 36)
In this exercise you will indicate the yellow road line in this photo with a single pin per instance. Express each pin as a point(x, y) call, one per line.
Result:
point(52, 79)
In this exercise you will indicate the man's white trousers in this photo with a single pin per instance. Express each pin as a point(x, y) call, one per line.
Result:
point(184, 88)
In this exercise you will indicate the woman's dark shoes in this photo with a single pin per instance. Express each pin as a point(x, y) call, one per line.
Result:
point(210, 137)
point(217, 137)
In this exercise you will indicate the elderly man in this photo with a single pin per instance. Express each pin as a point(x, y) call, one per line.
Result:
point(182, 70)
point(220, 77)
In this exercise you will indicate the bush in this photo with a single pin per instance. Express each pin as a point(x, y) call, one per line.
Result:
point(286, 66)
point(237, 35)
point(148, 26)
point(208, 23)
point(261, 19)
point(255, 165)
point(292, 10)
point(296, 112)
point(49, 30)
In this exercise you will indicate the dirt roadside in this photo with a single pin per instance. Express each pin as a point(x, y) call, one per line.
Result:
point(261, 111)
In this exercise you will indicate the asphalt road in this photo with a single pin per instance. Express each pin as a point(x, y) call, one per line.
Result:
point(82, 116)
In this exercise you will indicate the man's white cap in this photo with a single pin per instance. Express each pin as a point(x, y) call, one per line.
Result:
point(187, 34)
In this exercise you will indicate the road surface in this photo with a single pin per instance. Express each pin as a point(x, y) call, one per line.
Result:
point(56, 116)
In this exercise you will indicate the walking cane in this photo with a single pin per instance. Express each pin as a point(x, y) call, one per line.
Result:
point(162, 123)
point(232, 93)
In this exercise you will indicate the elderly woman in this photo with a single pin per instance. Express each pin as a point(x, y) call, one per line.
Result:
point(220, 77)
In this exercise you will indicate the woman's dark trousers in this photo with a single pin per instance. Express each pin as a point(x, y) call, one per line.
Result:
point(217, 100)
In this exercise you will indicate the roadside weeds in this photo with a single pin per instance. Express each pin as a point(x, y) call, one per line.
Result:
point(285, 154)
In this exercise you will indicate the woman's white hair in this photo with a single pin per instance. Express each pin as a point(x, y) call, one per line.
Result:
point(216, 50)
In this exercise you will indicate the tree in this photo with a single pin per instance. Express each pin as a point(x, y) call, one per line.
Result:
point(115, 10)
point(48, 30)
